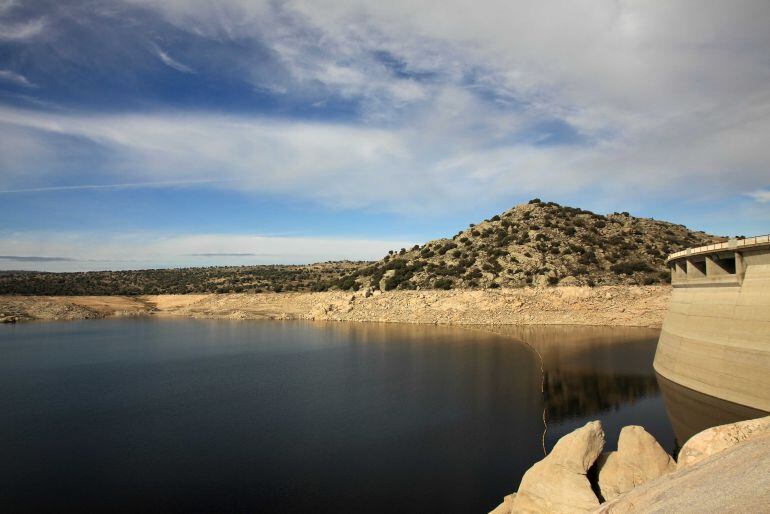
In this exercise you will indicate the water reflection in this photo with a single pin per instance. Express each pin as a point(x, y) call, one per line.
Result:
point(600, 373)
point(691, 412)
point(217, 416)
point(589, 370)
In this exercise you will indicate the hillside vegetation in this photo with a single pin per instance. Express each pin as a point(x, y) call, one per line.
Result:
point(217, 279)
point(537, 244)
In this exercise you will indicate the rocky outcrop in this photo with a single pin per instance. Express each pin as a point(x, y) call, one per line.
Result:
point(716, 439)
point(558, 483)
point(639, 459)
point(735, 479)
point(722, 469)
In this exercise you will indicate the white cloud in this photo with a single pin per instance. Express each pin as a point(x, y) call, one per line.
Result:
point(663, 99)
point(455, 150)
point(171, 63)
point(760, 195)
point(130, 185)
point(22, 30)
point(92, 251)
point(15, 78)
point(6, 5)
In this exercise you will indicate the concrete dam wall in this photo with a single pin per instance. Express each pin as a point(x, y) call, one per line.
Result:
point(716, 334)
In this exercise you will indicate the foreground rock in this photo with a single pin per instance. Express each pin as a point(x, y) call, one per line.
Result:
point(722, 469)
point(558, 483)
point(735, 479)
point(639, 459)
point(716, 439)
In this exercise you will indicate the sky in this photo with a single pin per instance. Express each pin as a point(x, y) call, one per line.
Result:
point(157, 133)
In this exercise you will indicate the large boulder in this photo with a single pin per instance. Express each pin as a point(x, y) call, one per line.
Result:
point(558, 483)
point(716, 439)
point(639, 459)
point(736, 479)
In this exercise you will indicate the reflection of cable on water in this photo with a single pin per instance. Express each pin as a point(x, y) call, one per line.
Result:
point(542, 381)
point(545, 400)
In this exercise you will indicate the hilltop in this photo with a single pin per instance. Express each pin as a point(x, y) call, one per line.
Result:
point(536, 244)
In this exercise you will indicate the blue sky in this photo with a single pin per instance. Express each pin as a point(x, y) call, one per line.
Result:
point(149, 133)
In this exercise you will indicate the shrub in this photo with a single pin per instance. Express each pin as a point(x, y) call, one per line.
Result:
point(443, 283)
point(629, 267)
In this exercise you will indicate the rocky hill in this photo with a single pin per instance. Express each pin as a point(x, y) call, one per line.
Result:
point(536, 244)
point(533, 244)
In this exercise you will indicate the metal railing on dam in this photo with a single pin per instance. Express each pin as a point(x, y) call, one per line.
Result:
point(716, 334)
point(732, 244)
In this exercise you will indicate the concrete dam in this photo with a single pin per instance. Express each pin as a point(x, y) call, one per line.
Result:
point(715, 338)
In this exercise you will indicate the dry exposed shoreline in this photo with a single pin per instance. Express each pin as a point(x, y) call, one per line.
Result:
point(642, 306)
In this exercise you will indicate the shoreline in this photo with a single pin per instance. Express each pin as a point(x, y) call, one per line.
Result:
point(626, 306)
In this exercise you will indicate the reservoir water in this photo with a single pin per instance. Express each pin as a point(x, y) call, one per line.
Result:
point(223, 416)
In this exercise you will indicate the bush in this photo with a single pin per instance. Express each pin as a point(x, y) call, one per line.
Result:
point(443, 283)
point(629, 267)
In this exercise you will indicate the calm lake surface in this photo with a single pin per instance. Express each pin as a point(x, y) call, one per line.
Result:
point(224, 416)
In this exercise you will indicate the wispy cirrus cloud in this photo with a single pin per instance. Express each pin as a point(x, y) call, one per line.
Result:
point(131, 185)
point(403, 107)
point(35, 258)
point(15, 78)
point(20, 31)
point(220, 254)
point(760, 195)
point(136, 250)
point(172, 63)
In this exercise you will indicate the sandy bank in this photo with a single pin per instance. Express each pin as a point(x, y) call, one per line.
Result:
point(607, 306)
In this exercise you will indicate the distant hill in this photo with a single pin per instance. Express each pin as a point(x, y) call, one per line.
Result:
point(215, 279)
point(536, 243)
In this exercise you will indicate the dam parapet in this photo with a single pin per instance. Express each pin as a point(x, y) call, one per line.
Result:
point(716, 334)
